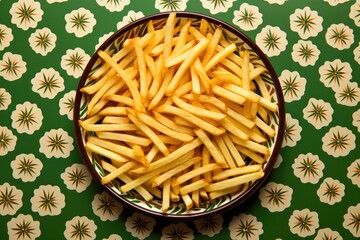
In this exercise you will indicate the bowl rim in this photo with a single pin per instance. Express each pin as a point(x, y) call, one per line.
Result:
point(277, 142)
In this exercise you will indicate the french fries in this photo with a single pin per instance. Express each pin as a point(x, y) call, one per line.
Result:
point(179, 114)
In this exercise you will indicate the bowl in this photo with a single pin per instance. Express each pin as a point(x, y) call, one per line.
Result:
point(178, 210)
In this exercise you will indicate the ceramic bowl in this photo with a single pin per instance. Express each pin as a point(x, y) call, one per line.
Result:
point(177, 210)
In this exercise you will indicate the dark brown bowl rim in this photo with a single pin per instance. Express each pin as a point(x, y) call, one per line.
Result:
point(234, 202)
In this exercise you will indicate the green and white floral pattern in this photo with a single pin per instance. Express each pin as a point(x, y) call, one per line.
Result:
point(314, 47)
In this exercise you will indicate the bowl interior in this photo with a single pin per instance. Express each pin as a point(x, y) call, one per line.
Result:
point(178, 210)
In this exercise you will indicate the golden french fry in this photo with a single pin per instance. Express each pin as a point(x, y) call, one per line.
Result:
point(236, 172)
point(232, 182)
point(193, 186)
point(114, 174)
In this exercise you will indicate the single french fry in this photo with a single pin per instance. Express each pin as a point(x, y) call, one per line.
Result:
point(263, 126)
point(222, 92)
point(212, 45)
point(236, 181)
point(106, 153)
point(114, 174)
point(199, 69)
point(220, 56)
point(166, 195)
point(108, 127)
point(228, 173)
point(195, 80)
point(169, 34)
point(193, 186)
point(127, 138)
point(187, 200)
point(251, 154)
point(216, 194)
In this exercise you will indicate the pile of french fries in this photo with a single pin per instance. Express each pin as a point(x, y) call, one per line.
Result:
point(179, 114)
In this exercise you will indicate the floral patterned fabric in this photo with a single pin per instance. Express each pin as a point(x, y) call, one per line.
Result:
point(46, 191)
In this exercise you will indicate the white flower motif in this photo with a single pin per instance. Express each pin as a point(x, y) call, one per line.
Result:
point(245, 226)
point(10, 199)
point(5, 99)
point(278, 161)
point(339, 36)
point(27, 118)
point(76, 177)
point(7, 141)
point(305, 53)
point(293, 85)
point(102, 39)
point(80, 22)
point(292, 131)
point(140, 226)
point(169, 5)
point(130, 17)
point(271, 40)
point(356, 119)
point(335, 74)
point(113, 237)
point(56, 1)
point(177, 231)
point(357, 54)
point(306, 22)
point(304, 222)
point(308, 168)
point(12, 67)
point(331, 191)
point(106, 207)
point(66, 104)
point(338, 141)
point(56, 143)
point(209, 226)
point(26, 167)
point(23, 227)
point(348, 95)
point(327, 233)
point(217, 6)
point(279, 2)
point(74, 61)
point(6, 36)
point(352, 220)
point(247, 17)
point(113, 6)
point(48, 83)
point(275, 196)
point(335, 2)
point(42, 41)
point(80, 228)
point(47, 200)
point(318, 113)
point(353, 172)
point(354, 13)
point(26, 14)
